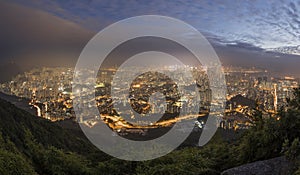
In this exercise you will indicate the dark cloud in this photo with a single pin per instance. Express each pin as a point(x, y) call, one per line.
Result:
point(241, 45)
point(33, 38)
point(275, 63)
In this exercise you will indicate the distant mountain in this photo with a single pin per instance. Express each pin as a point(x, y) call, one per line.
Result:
point(293, 50)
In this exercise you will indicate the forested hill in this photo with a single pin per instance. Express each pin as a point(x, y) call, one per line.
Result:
point(29, 145)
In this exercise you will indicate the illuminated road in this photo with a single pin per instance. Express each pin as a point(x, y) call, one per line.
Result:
point(119, 123)
point(171, 121)
point(38, 109)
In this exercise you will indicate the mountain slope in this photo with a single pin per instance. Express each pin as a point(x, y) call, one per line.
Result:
point(14, 121)
point(31, 145)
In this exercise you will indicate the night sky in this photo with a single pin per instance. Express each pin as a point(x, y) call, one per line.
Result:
point(244, 33)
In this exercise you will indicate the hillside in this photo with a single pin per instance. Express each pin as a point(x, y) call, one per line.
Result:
point(32, 145)
point(32, 138)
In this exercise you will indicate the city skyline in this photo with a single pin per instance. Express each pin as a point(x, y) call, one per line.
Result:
point(49, 91)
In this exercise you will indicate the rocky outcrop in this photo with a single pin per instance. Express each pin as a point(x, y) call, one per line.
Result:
point(275, 166)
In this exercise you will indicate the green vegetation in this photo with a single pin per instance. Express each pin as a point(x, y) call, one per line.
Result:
point(30, 145)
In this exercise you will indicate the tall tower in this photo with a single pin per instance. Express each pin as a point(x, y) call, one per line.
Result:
point(275, 97)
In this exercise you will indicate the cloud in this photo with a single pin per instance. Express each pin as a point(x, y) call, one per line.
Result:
point(53, 32)
point(261, 23)
point(34, 37)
